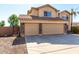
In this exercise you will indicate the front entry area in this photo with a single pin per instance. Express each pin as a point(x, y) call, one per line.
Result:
point(43, 28)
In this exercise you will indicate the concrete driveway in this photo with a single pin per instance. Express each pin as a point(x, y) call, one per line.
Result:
point(53, 44)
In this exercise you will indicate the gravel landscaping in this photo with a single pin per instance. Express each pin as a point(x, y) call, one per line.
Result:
point(12, 45)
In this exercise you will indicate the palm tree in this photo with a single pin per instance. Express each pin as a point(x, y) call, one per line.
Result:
point(14, 21)
point(73, 14)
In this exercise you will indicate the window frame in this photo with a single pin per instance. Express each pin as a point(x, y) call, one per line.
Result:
point(47, 13)
point(65, 17)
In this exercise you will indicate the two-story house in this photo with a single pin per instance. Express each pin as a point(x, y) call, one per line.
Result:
point(45, 20)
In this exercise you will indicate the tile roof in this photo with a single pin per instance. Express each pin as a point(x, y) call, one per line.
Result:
point(47, 5)
point(41, 18)
point(46, 18)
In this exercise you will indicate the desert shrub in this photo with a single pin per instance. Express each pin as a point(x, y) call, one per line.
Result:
point(75, 29)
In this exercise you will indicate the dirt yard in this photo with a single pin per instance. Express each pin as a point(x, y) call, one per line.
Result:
point(12, 45)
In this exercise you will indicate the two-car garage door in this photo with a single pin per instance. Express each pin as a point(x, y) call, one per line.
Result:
point(52, 28)
point(34, 28)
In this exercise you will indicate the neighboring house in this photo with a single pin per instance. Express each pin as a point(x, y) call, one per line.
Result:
point(45, 20)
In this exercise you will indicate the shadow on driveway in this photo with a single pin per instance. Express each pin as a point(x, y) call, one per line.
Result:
point(19, 40)
point(68, 39)
point(19, 45)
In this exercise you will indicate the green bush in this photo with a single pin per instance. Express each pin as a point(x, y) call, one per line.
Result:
point(75, 30)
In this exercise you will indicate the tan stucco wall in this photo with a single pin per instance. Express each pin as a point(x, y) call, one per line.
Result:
point(43, 21)
point(53, 28)
point(48, 27)
point(64, 13)
point(46, 8)
point(69, 20)
point(31, 29)
point(34, 12)
point(40, 11)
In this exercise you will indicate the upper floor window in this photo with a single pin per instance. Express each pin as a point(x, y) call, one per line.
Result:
point(65, 17)
point(47, 13)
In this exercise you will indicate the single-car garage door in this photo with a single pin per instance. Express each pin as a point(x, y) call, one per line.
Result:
point(52, 28)
point(31, 29)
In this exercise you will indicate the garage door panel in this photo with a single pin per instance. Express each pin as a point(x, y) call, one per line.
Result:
point(52, 29)
point(31, 29)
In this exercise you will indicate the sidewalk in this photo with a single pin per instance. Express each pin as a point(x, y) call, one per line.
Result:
point(46, 48)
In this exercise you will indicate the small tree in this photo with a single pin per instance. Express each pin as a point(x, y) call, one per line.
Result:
point(14, 21)
point(2, 23)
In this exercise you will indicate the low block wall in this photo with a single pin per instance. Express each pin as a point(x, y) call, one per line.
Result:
point(8, 31)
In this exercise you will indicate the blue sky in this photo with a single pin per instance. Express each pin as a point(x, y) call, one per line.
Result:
point(7, 9)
